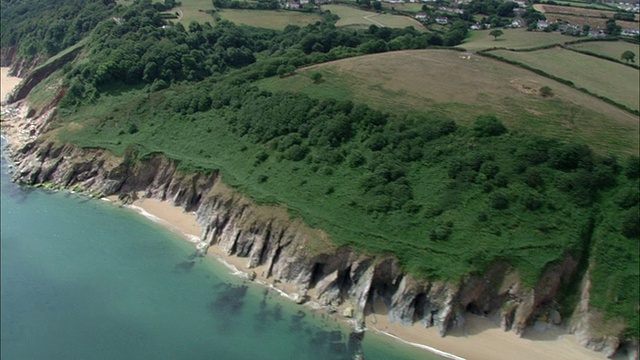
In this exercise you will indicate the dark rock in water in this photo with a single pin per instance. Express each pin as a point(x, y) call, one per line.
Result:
point(320, 338)
point(338, 348)
point(277, 312)
point(230, 300)
point(185, 266)
point(355, 343)
point(335, 336)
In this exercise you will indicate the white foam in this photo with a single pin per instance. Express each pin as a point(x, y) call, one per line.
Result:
point(191, 238)
point(421, 346)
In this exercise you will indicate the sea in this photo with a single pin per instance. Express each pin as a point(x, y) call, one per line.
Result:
point(85, 279)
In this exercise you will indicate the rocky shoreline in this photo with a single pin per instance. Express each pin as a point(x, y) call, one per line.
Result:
point(294, 256)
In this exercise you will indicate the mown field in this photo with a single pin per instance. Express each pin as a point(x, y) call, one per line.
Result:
point(612, 49)
point(193, 10)
point(277, 19)
point(445, 82)
point(615, 81)
point(350, 16)
point(512, 39)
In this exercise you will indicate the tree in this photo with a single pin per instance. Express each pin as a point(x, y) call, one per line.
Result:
point(495, 33)
point(585, 29)
point(628, 56)
point(612, 28)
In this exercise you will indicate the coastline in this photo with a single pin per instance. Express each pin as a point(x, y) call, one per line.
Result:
point(481, 338)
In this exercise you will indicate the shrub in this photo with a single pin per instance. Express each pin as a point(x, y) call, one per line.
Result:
point(488, 125)
point(628, 197)
point(316, 77)
point(632, 170)
point(546, 91)
point(631, 223)
point(570, 157)
point(533, 179)
point(499, 201)
point(158, 85)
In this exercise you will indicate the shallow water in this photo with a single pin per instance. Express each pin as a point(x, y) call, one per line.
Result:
point(84, 279)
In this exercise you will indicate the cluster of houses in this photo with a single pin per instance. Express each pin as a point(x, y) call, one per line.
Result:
point(296, 4)
point(635, 8)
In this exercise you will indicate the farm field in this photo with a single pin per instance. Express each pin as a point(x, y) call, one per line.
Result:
point(606, 78)
point(583, 5)
point(448, 83)
point(512, 39)
point(577, 11)
point(609, 48)
point(276, 19)
point(359, 18)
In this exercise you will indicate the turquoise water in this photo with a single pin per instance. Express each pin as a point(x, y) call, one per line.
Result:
point(83, 279)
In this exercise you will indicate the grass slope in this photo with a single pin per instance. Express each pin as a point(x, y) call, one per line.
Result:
point(447, 83)
point(276, 20)
point(615, 81)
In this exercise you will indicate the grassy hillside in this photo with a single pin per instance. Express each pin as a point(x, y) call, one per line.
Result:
point(606, 78)
point(452, 84)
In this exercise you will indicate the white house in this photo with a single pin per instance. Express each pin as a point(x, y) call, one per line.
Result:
point(442, 20)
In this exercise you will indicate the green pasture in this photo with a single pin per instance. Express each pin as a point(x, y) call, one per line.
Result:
point(615, 81)
point(270, 19)
point(512, 39)
point(350, 16)
point(448, 83)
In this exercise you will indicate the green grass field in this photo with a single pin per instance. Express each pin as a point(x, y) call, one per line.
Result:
point(444, 82)
point(512, 39)
point(350, 16)
point(606, 78)
point(612, 49)
point(277, 19)
point(411, 7)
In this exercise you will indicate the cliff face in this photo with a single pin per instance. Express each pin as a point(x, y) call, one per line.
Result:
point(293, 253)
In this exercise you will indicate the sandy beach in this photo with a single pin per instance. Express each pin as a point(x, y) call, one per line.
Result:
point(8, 83)
point(481, 338)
